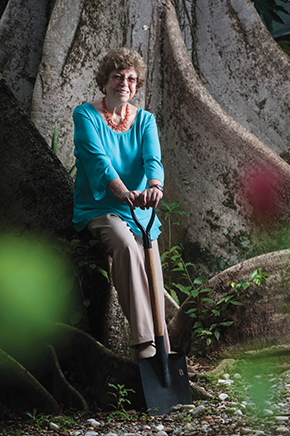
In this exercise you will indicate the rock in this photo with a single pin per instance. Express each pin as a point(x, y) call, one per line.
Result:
point(93, 422)
point(268, 412)
point(238, 413)
point(282, 429)
point(187, 407)
point(281, 418)
point(198, 411)
point(53, 426)
point(160, 427)
point(161, 433)
point(237, 376)
point(246, 430)
point(223, 396)
point(226, 382)
point(91, 433)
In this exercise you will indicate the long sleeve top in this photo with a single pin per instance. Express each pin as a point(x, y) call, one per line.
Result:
point(102, 155)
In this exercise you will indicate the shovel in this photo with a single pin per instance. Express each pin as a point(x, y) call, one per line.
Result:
point(164, 376)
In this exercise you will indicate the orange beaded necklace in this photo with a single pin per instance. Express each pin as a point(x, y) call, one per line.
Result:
point(117, 127)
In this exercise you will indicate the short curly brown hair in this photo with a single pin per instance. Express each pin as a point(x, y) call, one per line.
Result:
point(120, 59)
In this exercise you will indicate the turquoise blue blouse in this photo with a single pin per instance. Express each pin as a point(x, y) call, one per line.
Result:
point(102, 155)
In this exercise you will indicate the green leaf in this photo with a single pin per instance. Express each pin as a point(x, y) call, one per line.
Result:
point(198, 324)
point(237, 303)
point(86, 302)
point(209, 300)
point(199, 280)
point(217, 334)
point(185, 289)
point(226, 323)
point(174, 296)
point(205, 290)
point(192, 310)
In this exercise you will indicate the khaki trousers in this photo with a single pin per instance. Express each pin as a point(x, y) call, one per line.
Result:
point(129, 276)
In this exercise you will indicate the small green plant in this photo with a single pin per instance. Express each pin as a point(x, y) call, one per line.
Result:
point(209, 315)
point(38, 420)
point(41, 421)
point(120, 394)
point(169, 211)
point(215, 311)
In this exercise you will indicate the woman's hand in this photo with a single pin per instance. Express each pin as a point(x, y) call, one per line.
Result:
point(150, 198)
point(132, 198)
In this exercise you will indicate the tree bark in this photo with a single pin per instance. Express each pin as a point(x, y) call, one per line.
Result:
point(213, 161)
point(36, 190)
point(262, 320)
point(241, 66)
point(22, 31)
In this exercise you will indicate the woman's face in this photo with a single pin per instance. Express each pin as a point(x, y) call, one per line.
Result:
point(121, 85)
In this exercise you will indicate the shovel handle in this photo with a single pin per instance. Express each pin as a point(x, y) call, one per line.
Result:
point(150, 269)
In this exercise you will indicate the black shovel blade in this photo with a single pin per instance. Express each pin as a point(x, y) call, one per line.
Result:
point(162, 395)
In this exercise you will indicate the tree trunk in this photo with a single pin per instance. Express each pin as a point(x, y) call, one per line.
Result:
point(213, 164)
point(241, 66)
point(261, 321)
point(22, 32)
point(36, 190)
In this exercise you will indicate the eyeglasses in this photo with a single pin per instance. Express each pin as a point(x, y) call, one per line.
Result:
point(132, 80)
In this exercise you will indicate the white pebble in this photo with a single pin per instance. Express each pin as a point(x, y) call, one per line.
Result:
point(237, 376)
point(187, 407)
point(267, 412)
point(198, 411)
point(91, 433)
point(259, 433)
point(54, 426)
point(111, 434)
point(161, 433)
point(281, 418)
point(223, 396)
point(282, 429)
point(238, 412)
point(246, 430)
point(160, 427)
point(225, 382)
point(93, 422)
point(226, 376)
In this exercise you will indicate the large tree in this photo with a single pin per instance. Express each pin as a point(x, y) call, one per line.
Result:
point(221, 102)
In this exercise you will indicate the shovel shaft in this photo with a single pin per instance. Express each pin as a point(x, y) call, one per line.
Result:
point(150, 269)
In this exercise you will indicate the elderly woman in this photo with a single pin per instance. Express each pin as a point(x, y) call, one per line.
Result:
point(118, 163)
